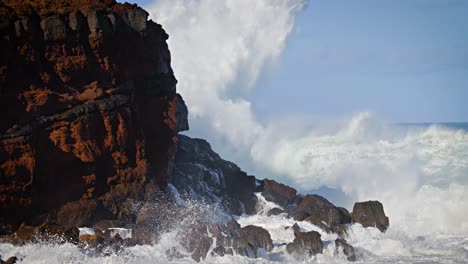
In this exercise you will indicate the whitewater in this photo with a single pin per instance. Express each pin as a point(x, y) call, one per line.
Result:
point(428, 219)
point(418, 171)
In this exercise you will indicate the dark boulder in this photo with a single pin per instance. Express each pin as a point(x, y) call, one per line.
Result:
point(370, 214)
point(93, 240)
point(202, 174)
point(348, 250)
point(305, 244)
point(256, 237)
point(319, 211)
point(278, 193)
point(245, 241)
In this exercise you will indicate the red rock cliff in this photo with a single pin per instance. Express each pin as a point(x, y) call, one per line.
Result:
point(88, 110)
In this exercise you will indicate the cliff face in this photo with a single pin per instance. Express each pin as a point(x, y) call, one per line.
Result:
point(88, 110)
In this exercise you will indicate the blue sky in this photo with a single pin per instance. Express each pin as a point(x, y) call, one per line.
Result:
point(405, 60)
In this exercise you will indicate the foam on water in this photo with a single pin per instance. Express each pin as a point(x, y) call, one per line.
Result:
point(371, 245)
point(419, 173)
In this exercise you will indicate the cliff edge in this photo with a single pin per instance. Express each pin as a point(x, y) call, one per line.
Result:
point(88, 109)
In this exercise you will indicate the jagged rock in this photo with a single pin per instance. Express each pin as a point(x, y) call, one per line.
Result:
point(275, 211)
point(321, 212)
point(84, 117)
point(370, 214)
point(47, 230)
point(256, 237)
point(202, 174)
point(278, 193)
point(348, 250)
point(305, 244)
point(181, 115)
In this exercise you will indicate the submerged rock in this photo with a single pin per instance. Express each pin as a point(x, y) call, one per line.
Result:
point(305, 244)
point(256, 237)
point(348, 250)
point(370, 214)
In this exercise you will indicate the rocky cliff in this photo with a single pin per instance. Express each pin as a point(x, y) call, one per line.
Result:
point(88, 110)
point(89, 138)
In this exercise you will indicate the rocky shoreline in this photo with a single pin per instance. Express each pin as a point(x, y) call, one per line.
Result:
point(90, 152)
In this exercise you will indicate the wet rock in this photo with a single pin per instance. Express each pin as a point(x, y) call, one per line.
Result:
point(201, 173)
point(54, 28)
point(321, 212)
point(296, 229)
point(106, 224)
point(275, 211)
point(370, 214)
point(348, 250)
point(256, 237)
point(25, 233)
point(93, 240)
point(305, 244)
point(278, 193)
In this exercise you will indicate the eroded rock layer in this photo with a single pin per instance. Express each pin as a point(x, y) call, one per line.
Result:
point(88, 110)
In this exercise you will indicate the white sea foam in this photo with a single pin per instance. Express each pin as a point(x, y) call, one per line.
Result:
point(420, 173)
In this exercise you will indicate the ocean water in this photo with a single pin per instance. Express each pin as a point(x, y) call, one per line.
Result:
point(418, 171)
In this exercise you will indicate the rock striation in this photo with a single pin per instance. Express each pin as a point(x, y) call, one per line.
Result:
point(89, 111)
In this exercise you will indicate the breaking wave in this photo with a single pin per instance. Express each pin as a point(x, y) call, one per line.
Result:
point(419, 172)
point(371, 245)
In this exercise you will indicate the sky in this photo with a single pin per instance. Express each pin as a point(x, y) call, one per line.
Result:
point(407, 61)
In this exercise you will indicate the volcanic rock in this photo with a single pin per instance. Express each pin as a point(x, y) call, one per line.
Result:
point(201, 174)
point(370, 214)
point(256, 237)
point(89, 111)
